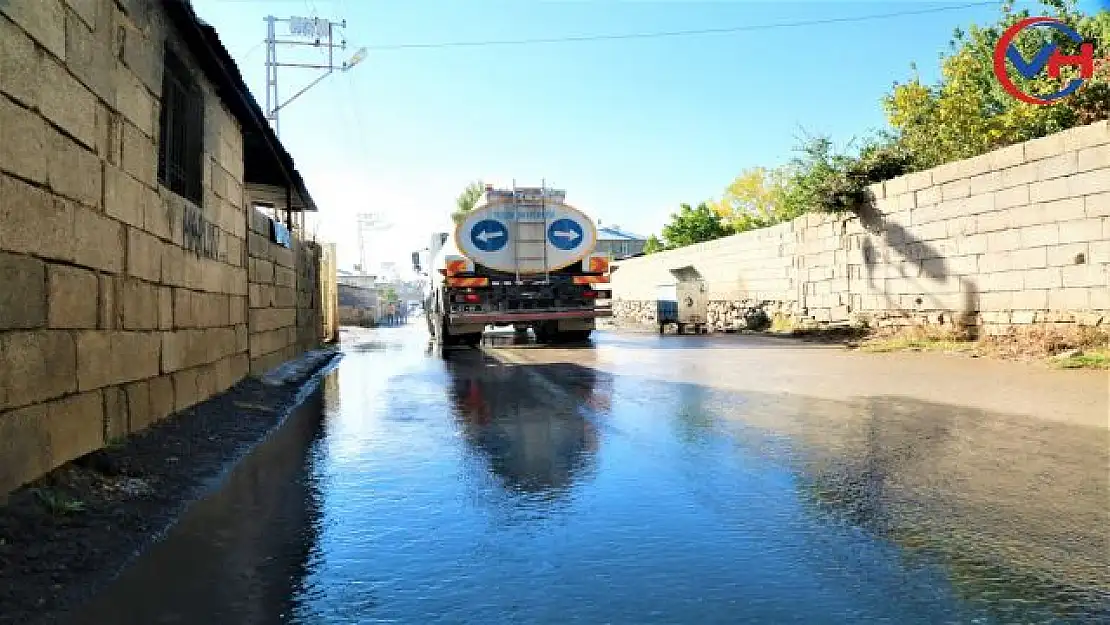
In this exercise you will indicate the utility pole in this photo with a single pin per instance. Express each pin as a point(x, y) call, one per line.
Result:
point(303, 31)
point(368, 223)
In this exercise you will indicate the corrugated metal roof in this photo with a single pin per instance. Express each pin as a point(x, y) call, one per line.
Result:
point(609, 233)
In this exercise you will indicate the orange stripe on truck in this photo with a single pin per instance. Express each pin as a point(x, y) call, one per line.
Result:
point(598, 264)
point(456, 266)
point(467, 282)
point(591, 279)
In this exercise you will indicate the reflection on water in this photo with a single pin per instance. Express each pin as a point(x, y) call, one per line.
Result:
point(534, 442)
point(463, 491)
point(239, 556)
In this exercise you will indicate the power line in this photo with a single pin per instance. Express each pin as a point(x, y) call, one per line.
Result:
point(678, 33)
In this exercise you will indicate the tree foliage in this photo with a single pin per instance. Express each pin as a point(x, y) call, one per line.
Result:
point(653, 245)
point(467, 200)
point(694, 225)
point(968, 113)
point(758, 198)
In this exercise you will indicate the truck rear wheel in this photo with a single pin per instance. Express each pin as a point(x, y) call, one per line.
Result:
point(572, 336)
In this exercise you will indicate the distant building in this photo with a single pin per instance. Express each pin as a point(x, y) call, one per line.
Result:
point(618, 243)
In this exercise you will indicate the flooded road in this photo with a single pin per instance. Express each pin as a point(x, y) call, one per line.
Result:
point(633, 483)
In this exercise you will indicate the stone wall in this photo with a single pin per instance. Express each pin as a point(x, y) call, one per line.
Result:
point(1015, 237)
point(272, 283)
point(122, 302)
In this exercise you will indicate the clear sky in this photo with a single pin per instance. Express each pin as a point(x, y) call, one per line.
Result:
point(629, 128)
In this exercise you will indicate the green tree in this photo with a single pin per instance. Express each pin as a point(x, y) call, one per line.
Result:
point(694, 225)
point(467, 200)
point(758, 198)
point(968, 113)
point(653, 245)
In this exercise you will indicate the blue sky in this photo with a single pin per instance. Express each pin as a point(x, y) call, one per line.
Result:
point(630, 128)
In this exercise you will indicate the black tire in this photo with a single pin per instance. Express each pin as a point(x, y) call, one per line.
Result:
point(572, 336)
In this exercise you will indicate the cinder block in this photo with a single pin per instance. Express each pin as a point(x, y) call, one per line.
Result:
point(1029, 299)
point(162, 399)
point(23, 301)
point(38, 365)
point(137, 403)
point(1005, 240)
point(996, 262)
point(928, 196)
point(943, 173)
point(73, 172)
point(143, 56)
point(1090, 135)
point(1037, 236)
point(261, 271)
point(991, 304)
point(1010, 156)
point(1058, 166)
point(87, 10)
point(1064, 255)
point(258, 246)
point(1003, 281)
point(19, 64)
point(72, 298)
point(1029, 258)
point(98, 241)
point(1019, 175)
point(955, 189)
point(1068, 299)
point(67, 103)
point(1050, 190)
point(1085, 275)
point(144, 255)
point(44, 20)
point(986, 182)
point(141, 305)
point(109, 134)
point(116, 420)
point(237, 309)
point(165, 308)
point(1080, 230)
point(1048, 278)
point(1044, 147)
point(1089, 182)
point(1097, 205)
point(163, 217)
point(140, 156)
point(125, 198)
point(91, 58)
point(1014, 196)
point(134, 102)
point(186, 389)
point(23, 151)
point(996, 221)
point(972, 244)
point(1099, 252)
point(1097, 157)
point(106, 358)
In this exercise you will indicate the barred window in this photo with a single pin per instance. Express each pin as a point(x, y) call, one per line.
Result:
point(181, 139)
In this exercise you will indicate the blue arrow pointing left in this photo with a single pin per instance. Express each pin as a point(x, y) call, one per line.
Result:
point(489, 235)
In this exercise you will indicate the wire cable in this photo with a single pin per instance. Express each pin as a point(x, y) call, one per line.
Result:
point(678, 33)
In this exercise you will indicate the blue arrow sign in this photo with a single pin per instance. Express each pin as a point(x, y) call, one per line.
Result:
point(565, 234)
point(489, 235)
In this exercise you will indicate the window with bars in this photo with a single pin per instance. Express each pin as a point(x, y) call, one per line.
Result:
point(181, 139)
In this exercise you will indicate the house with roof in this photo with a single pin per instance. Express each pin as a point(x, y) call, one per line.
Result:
point(619, 243)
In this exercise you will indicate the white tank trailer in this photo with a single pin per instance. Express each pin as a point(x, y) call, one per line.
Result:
point(523, 258)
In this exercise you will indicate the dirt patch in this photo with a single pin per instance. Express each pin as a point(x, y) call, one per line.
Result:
point(65, 536)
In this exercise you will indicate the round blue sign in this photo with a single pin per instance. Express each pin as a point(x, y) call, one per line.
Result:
point(565, 234)
point(489, 235)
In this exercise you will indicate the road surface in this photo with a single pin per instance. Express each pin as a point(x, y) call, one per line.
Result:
point(652, 479)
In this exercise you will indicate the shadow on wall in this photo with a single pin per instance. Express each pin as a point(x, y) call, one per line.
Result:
point(902, 240)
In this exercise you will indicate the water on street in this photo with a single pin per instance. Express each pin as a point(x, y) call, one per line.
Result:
point(637, 481)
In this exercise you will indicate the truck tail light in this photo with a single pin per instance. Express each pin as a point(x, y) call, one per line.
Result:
point(589, 294)
point(472, 298)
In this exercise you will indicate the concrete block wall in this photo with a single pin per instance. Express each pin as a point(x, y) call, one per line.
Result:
point(1015, 237)
point(113, 314)
point(272, 286)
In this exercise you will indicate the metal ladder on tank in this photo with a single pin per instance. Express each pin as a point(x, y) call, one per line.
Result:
point(530, 240)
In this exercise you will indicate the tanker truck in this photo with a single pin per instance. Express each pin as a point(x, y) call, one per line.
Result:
point(523, 258)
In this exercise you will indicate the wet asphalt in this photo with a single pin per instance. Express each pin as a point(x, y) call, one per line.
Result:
point(637, 480)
